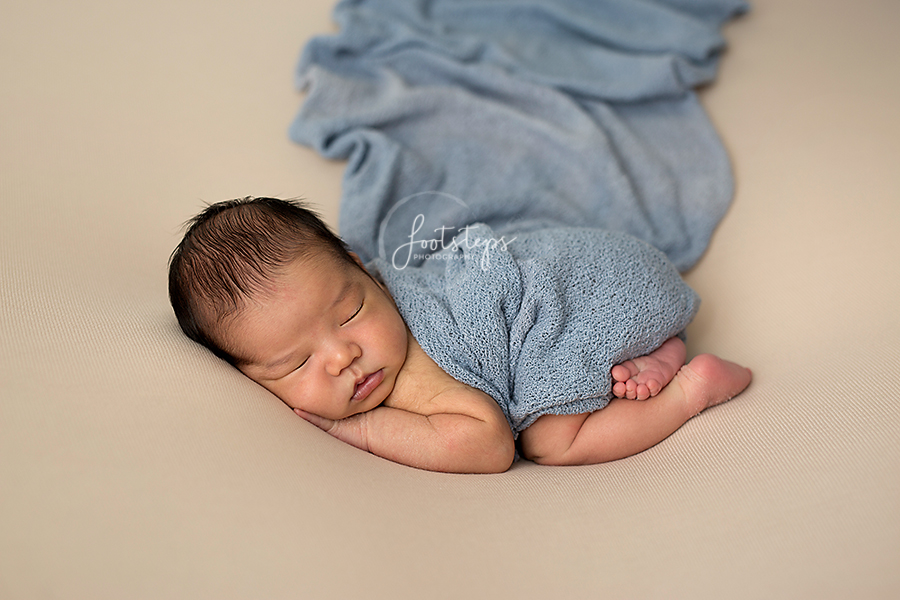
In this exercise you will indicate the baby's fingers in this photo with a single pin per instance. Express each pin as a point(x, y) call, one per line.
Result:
point(320, 422)
point(351, 430)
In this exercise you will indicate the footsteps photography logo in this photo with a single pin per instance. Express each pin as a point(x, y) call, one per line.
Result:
point(432, 226)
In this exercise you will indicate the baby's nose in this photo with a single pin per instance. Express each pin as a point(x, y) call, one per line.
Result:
point(342, 356)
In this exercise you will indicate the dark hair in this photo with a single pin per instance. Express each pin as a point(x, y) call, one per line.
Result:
point(230, 250)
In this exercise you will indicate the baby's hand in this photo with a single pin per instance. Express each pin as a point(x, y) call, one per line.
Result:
point(352, 430)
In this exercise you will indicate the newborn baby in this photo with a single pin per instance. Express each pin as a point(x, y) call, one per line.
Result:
point(265, 285)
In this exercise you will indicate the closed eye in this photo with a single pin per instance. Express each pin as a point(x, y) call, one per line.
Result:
point(354, 314)
point(301, 364)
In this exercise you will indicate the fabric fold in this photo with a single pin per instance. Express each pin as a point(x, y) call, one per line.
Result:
point(568, 112)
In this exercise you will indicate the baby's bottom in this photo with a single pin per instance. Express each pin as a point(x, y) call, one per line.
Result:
point(626, 427)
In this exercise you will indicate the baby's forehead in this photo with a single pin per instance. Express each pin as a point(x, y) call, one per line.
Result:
point(321, 276)
point(305, 290)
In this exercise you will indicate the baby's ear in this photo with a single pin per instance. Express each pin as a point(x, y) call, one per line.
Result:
point(362, 267)
point(376, 278)
point(358, 261)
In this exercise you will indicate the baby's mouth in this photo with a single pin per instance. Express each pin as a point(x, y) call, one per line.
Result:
point(365, 386)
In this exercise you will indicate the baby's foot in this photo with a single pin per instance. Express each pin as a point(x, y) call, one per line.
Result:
point(709, 380)
point(646, 376)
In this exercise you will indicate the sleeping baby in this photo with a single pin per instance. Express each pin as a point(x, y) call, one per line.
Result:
point(563, 344)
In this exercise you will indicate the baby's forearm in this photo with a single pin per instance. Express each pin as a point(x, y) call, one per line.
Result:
point(448, 442)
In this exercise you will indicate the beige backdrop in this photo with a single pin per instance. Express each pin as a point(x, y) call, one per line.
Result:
point(135, 465)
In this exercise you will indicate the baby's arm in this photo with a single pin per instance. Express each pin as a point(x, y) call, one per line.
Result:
point(626, 427)
point(475, 440)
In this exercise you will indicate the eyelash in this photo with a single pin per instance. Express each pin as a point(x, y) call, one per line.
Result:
point(344, 323)
point(354, 314)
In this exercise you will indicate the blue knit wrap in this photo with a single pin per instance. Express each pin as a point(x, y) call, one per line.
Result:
point(536, 319)
point(579, 112)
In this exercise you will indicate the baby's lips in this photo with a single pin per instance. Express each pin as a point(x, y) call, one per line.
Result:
point(367, 385)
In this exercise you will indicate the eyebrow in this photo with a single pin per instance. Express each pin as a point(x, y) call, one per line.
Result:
point(283, 360)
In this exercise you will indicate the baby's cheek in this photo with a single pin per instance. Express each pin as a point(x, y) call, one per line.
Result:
point(397, 334)
point(286, 395)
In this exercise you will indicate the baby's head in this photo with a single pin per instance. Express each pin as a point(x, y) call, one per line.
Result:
point(234, 250)
point(265, 285)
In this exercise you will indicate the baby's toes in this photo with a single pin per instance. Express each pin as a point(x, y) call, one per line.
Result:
point(642, 392)
point(625, 389)
point(653, 387)
point(631, 389)
point(624, 371)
